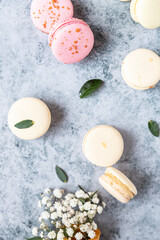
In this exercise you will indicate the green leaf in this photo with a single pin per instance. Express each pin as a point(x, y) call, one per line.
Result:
point(89, 87)
point(82, 200)
point(61, 174)
point(93, 194)
point(154, 128)
point(35, 238)
point(24, 124)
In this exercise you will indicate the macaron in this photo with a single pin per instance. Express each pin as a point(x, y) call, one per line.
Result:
point(71, 40)
point(141, 69)
point(103, 145)
point(118, 185)
point(46, 13)
point(146, 12)
point(29, 118)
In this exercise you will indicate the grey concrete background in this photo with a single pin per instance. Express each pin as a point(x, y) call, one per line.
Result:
point(27, 68)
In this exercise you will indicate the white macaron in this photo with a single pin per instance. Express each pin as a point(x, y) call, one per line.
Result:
point(103, 145)
point(141, 69)
point(118, 185)
point(146, 12)
point(29, 118)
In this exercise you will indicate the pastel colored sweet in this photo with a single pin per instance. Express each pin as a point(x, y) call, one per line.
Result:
point(118, 185)
point(141, 69)
point(146, 12)
point(103, 145)
point(71, 40)
point(29, 109)
point(46, 13)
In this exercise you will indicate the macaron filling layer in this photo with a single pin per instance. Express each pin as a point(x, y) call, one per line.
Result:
point(115, 183)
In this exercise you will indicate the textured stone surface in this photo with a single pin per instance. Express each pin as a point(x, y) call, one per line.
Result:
point(27, 68)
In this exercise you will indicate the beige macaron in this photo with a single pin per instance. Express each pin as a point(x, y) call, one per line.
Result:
point(103, 145)
point(33, 110)
point(118, 185)
point(141, 69)
point(146, 12)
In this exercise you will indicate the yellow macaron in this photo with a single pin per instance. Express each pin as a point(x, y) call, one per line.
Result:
point(118, 185)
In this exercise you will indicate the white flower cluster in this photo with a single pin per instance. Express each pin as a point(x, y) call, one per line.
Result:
point(68, 217)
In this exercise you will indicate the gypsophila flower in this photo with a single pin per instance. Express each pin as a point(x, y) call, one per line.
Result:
point(94, 226)
point(99, 209)
point(79, 236)
point(35, 231)
point(52, 235)
point(60, 235)
point(91, 234)
point(70, 232)
point(54, 215)
point(95, 200)
point(43, 225)
point(58, 224)
point(52, 209)
point(94, 207)
point(58, 193)
point(73, 202)
point(45, 215)
point(104, 204)
point(45, 200)
point(47, 190)
point(69, 196)
point(41, 235)
point(80, 194)
point(87, 206)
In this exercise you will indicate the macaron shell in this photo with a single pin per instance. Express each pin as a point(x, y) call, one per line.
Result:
point(103, 145)
point(125, 180)
point(29, 109)
point(72, 41)
point(148, 13)
point(112, 191)
point(133, 10)
point(46, 13)
point(141, 68)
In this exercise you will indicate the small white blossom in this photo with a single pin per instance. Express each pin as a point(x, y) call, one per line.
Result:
point(45, 215)
point(52, 235)
point(80, 194)
point(45, 200)
point(70, 232)
point(49, 204)
point(94, 226)
point(94, 206)
point(69, 196)
point(43, 225)
point(47, 190)
point(104, 204)
point(58, 224)
point(87, 206)
point(79, 236)
point(60, 235)
point(52, 209)
point(54, 215)
point(40, 219)
point(91, 214)
point(91, 234)
point(41, 234)
point(35, 231)
point(58, 193)
point(99, 209)
point(73, 202)
point(95, 200)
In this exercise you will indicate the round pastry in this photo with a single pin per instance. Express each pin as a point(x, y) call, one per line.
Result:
point(46, 13)
point(141, 69)
point(71, 40)
point(29, 118)
point(103, 145)
point(146, 12)
point(118, 185)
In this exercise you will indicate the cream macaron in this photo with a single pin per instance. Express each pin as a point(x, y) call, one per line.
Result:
point(103, 145)
point(141, 69)
point(118, 185)
point(29, 118)
point(146, 12)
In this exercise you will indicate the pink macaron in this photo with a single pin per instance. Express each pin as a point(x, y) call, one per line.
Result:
point(46, 13)
point(71, 40)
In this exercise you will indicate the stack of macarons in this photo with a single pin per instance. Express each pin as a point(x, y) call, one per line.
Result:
point(141, 69)
point(103, 145)
point(70, 39)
